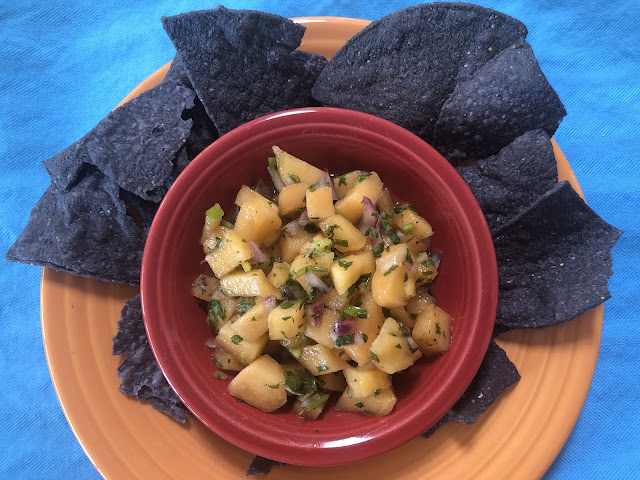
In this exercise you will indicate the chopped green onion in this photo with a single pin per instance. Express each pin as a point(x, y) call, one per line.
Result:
point(393, 267)
point(227, 224)
point(273, 162)
point(355, 311)
point(295, 178)
point(295, 352)
point(316, 402)
point(220, 375)
point(409, 228)
point(342, 243)
point(215, 212)
point(344, 265)
point(310, 268)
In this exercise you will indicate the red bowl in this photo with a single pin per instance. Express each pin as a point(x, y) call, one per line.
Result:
point(341, 141)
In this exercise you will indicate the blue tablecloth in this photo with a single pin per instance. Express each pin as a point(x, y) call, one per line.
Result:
point(65, 64)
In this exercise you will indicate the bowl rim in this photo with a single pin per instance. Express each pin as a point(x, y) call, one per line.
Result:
point(338, 453)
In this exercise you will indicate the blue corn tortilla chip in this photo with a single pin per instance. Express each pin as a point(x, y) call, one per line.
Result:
point(135, 144)
point(66, 167)
point(85, 231)
point(502, 100)
point(554, 261)
point(507, 183)
point(242, 63)
point(139, 373)
point(262, 466)
point(177, 73)
point(495, 375)
point(404, 66)
point(131, 334)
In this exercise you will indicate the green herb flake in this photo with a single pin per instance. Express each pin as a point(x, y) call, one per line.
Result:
point(393, 267)
point(398, 346)
point(342, 243)
point(376, 393)
point(295, 178)
point(274, 386)
point(236, 339)
point(287, 304)
point(361, 178)
point(374, 357)
point(286, 318)
point(359, 405)
point(244, 305)
point(322, 368)
point(344, 265)
point(273, 162)
point(220, 375)
point(311, 228)
point(329, 231)
point(438, 331)
point(365, 337)
point(354, 311)
point(342, 180)
point(343, 340)
point(377, 250)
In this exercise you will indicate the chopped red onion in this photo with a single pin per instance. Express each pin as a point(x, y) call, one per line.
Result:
point(315, 282)
point(211, 342)
point(292, 228)
point(436, 257)
point(334, 195)
point(275, 177)
point(423, 293)
point(401, 236)
point(412, 270)
point(304, 218)
point(357, 338)
point(314, 313)
point(345, 327)
point(369, 216)
point(259, 256)
point(385, 262)
point(270, 302)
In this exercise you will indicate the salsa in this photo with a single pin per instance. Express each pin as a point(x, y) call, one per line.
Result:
point(319, 285)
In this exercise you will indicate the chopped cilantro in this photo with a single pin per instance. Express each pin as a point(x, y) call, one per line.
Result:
point(342, 180)
point(329, 231)
point(375, 393)
point(315, 401)
point(354, 311)
point(393, 267)
point(274, 386)
point(377, 250)
point(399, 346)
point(343, 340)
point(295, 177)
point(236, 339)
point(311, 228)
point(220, 375)
point(365, 337)
point(344, 265)
point(286, 318)
point(374, 357)
point(342, 243)
point(245, 304)
point(322, 368)
point(360, 178)
point(287, 304)
point(359, 405)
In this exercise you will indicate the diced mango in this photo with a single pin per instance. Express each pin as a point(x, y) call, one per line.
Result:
point(225, 250)
point(345, 236)
point(253, 323)
point(286, 320)
point(352, 206)
point(366, 380)
point(344, 183)
point(413, 224)
point(320, 360)
point(292, 198)
point(345, 271)
point(432, 331)
point(279, 274)
point(257, 219)
point(260, 385)
point(320, 204)
point(253, 283)
point(244, 350)
point(381, 404)
point(321, 333)
point(390, 351)
point(291, 166)
point(225, 361)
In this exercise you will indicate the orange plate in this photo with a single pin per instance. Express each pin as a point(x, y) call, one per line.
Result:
point(518, 437)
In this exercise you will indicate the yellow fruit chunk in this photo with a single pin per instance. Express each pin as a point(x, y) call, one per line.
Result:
point(291, 198)
point(381, 404)
point(345, 271)
point(257, 219)
point(260, 385)
point(296, 169)
point(345, 236)
point(225, 251)
point(320, 204)
point(352, 206)
point(253, 283)
point(432, 331)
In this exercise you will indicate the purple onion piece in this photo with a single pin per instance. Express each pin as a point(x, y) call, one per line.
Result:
point(275, 178)
point(401, 235)
point(357, 338)
point(436, 257)
point(314, 313)
point(334, 195)
point(211, 342)
point(304, 218)
point(345, 327)
point(292, 228)
point(315, 282)
point(369, 217)
point(259, 256)
point(270, 302)
point(412, 270)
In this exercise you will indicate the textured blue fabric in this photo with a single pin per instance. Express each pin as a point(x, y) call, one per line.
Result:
point(65, 64)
